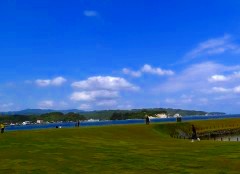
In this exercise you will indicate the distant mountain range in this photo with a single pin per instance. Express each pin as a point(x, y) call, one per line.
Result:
point(39, 111)
point(108, 113)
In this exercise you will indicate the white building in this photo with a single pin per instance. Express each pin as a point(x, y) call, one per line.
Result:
point(39, 121)
point(26, 123)
point(177, 115)
point(161, 115)
point(158, 116)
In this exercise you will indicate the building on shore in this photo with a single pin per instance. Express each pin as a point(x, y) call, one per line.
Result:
point(26, 123)
point(162, 115)
point(177, 115)
point(39, 121)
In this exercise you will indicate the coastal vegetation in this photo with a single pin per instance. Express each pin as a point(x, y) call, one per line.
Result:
point(118, 149)
point(73, 115)
point(48, 117)
point(140, 114)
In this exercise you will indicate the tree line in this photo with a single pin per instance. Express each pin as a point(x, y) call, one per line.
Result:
point(141, 114)
point(101, 115)
point(49, 117)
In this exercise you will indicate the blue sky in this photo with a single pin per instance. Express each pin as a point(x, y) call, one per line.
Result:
point(105, 54)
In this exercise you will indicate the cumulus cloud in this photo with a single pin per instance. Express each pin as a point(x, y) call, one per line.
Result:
point(209, 85)
point(233, 76)
point(58, 81)
point(132, 73)
point(90, 13)
point(148, 69)
point(235, 89)
point(214, 46)
point(158, 71)
point(104, 83)
point(218, 78)
point(47, 104)
point(94, 95)
point(195, 77)
point(101, 91)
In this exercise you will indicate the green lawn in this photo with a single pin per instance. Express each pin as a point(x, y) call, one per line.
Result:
point(114, 149)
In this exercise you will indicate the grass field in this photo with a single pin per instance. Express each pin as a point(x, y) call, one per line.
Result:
point(115, 149)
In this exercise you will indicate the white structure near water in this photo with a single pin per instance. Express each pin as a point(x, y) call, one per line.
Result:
point(39, 121)
point(26, 123)
point(159, 116)
point(177, 115)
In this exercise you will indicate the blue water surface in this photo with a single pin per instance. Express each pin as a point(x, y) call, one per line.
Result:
point(115, 122)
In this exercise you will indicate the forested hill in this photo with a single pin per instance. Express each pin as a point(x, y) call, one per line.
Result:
point(106, 114)
point(39, 112)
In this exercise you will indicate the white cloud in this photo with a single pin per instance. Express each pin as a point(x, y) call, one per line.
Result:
point(132, 73)
point(104, 83)
point(148, 69)
point(158, 71)
point(6, 105)
point(218, 78)
point(101, 91)
point(40, 82)
point(236, 75)
point(94, 95)
point(193, 78)
point(82, 96)
point(220, 89)
point(214, 46)
point(47, 104)
point(236, 89)
point(90, 13)
point(225, 78)
point(206, 85)
point(58, 81)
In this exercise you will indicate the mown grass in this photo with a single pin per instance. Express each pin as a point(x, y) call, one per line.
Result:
point(114, 149)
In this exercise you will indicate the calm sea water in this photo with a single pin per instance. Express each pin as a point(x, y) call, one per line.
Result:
point(116, 122)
